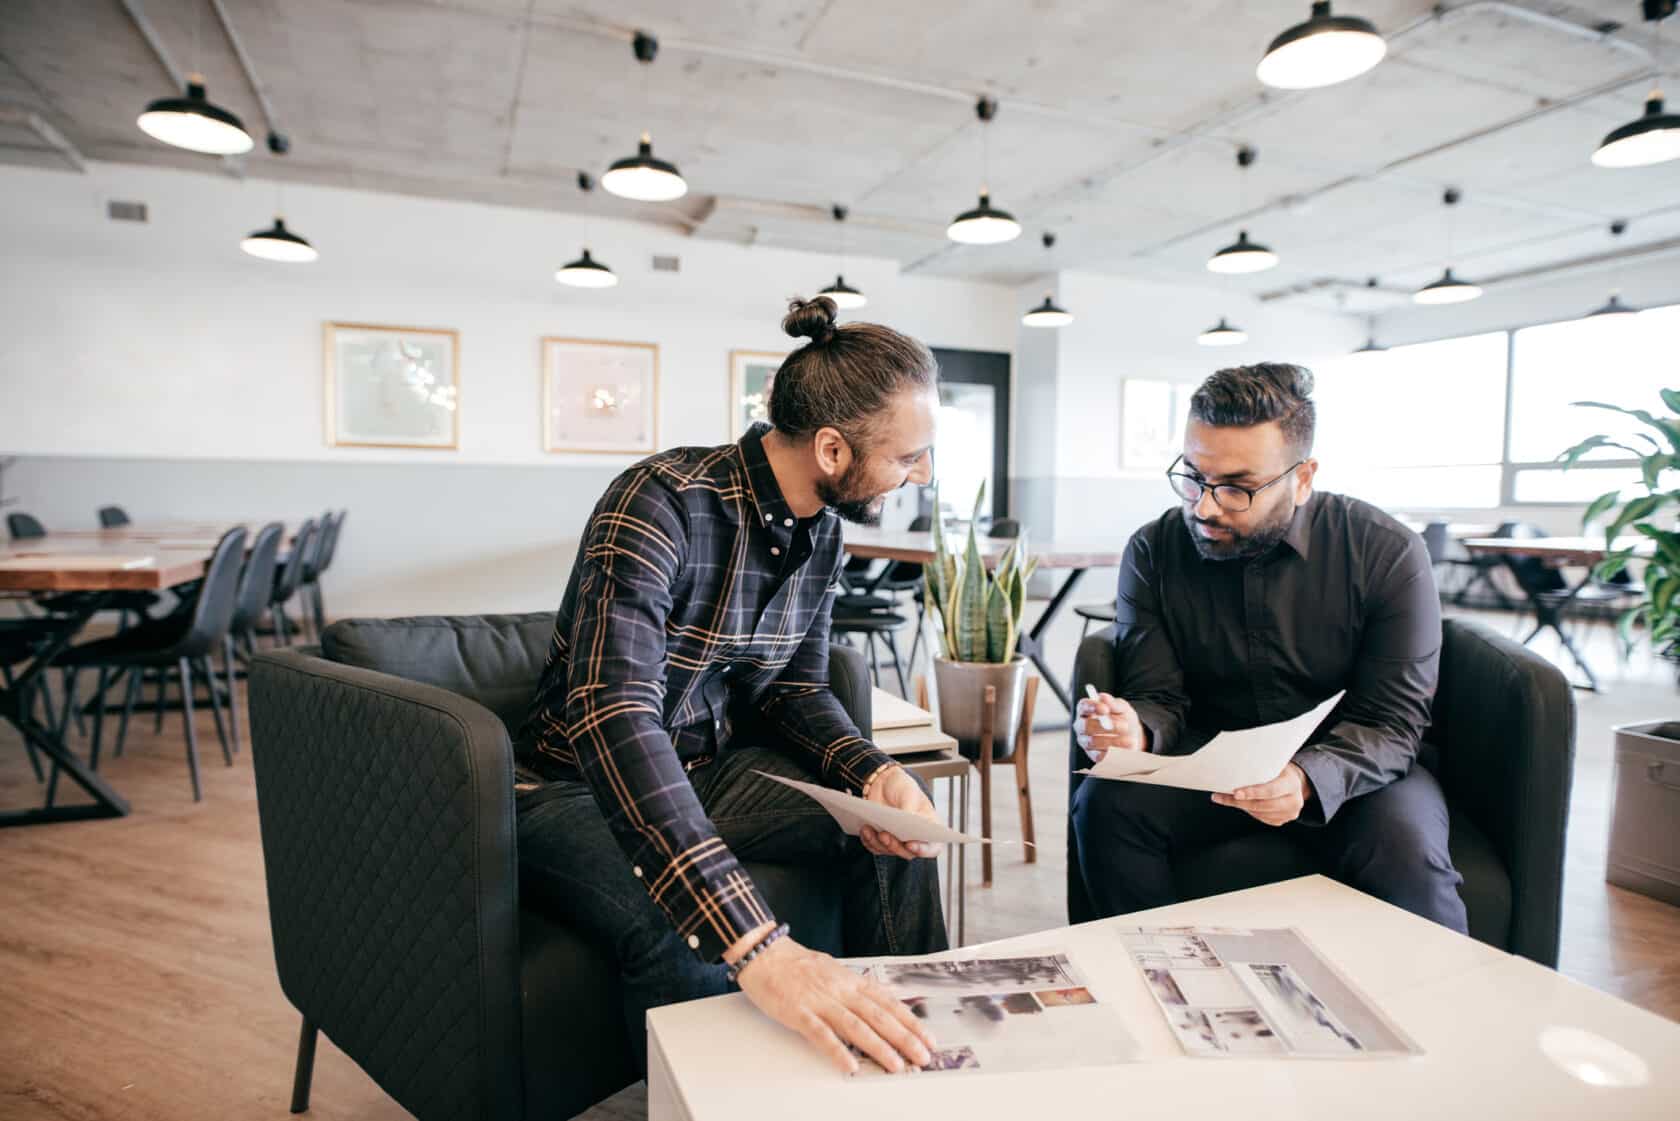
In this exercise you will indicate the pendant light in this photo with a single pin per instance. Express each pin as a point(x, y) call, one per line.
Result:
point(1243, 255)
point(1448, 289)
point(1324, 50)
point(1654, 137)
point(195, 123)
point(1222, 334)
point(985, 224)
point(845, 297)
point(277, 243)
point(643, 176)
point(1614, 306)
point(586, 272)
point(1047, 314)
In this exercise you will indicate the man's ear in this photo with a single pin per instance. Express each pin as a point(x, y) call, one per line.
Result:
point(1304, 480)
point(833, 454)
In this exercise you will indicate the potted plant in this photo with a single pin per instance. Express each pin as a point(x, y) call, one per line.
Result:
point(978, 612)
point(1644, 849)
point(1659, 606)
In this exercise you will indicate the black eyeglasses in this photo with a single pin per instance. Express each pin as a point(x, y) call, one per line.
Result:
point(1227, 496)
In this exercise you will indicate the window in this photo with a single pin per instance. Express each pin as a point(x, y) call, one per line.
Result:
point(1415, 425)
point(1152, 416)
point(966, 437)
point(1618, 359)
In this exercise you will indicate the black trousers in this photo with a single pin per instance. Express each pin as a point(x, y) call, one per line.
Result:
point(570, 859)
point(1391, 843)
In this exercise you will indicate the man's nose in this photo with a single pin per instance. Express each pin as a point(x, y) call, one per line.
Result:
point(922, 473)
point(1206, 508)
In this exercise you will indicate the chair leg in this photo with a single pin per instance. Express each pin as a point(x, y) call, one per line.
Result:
point(232, 699)
point(162, 692)
point(988, 725)
point(318, 609)
point(921, 625)
point(28, 703)
point(874, 659)
point(81, 728)
point(305, 1071)
point(213, 688)
point(898, 663)
point(135, 676)
point(70, 676)
point(1023, 786)
point(98, 716)
point(282, 633)
point(187, 720)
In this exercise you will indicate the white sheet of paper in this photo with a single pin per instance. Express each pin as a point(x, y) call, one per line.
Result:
point(1227, 762)
point(853, 813)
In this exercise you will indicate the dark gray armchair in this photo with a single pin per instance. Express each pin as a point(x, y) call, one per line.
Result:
point(385, 791)
point(1502, 742)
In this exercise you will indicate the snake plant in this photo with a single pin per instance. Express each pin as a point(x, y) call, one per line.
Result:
point(979, 610)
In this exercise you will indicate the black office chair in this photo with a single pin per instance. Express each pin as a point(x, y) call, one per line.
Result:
point(1481, 569)
point(288, 578)
point(331, 523)
point(179, 641)
point(256, 583)
point(24, 527)
point(1100, 613)
point(1004, 527)
point(113, 517)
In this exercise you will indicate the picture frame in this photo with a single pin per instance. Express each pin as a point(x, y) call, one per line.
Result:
point(391, 387)
point(600, 396)
point(751, 373)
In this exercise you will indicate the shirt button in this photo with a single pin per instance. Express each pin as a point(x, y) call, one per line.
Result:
point(775, 551)
point(769, 517)
point(787, 521)
point(694, 941)
point(638, 871)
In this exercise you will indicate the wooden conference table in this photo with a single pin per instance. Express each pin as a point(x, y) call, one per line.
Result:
point(97, 562)
point(1076, 557)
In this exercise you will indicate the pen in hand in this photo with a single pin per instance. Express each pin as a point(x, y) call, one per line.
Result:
point(1091, 693)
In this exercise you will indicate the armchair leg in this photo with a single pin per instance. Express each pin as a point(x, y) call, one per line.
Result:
point(988, 724)
point(305, 1073)
point(1023, 782)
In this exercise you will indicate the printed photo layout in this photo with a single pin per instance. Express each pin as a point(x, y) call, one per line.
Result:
point(1005, 1014)
point(1254, 993)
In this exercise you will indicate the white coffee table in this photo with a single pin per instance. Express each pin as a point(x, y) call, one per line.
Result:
point(1484, 1018)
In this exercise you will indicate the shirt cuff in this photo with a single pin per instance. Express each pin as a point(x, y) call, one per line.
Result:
point(849, 766)
point(1160, 726)
point(1325, 774)
point(711, 901)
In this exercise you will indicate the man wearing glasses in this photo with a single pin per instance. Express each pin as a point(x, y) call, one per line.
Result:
point(1252, 602)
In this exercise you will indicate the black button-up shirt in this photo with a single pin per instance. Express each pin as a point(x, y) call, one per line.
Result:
point(1347, 600)
point(697, 613)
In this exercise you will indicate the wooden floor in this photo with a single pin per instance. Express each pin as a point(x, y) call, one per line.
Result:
point(137, 978)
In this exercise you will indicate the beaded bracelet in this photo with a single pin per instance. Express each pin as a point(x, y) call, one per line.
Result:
point(763, 944)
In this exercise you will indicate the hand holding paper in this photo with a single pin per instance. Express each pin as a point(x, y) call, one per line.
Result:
point(1230, 760)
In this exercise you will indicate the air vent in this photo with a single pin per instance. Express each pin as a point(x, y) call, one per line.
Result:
point(667, 264)
point(126, 211)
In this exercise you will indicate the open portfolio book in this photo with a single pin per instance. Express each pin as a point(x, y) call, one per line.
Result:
point(1229, 761)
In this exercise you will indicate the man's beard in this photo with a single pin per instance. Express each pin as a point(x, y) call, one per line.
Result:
point(1238, 546)
point(850, 499)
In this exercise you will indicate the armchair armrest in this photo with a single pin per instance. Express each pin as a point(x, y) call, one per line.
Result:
point(387, 819)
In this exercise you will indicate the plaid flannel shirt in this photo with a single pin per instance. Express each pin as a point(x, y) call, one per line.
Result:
point(697, 612)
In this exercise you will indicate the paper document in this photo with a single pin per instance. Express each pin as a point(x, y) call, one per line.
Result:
point(1229, 761)
point(1003, 1014)
point(1248, 994)
point(853, 813)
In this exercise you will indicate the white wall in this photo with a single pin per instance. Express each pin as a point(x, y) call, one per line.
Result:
point(158, 367)
point(165, 340)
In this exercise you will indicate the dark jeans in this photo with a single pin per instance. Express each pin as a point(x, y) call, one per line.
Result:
point(1391, 843)
point(570, 860)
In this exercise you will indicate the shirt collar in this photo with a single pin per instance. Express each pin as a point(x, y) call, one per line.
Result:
point(773, 510)
point(1300, 527)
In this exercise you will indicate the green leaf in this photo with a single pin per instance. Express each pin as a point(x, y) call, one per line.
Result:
point(1613, 563)
point(1668, 429)
point(1632, 512)
point(971, 604)
point(1625, 625)
point(1654, 465)
point(1600, 504)
point(1671, 398)
point(1000, 630)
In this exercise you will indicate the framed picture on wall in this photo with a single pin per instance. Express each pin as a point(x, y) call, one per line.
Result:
point(600, 396)
point(751, 373)
point(392, 387)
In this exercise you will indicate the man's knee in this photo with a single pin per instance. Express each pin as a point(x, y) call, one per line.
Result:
point(1105, 811)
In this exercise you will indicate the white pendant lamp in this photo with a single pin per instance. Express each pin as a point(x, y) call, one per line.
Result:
point(1653, 137)
point(1614, 305)
point(845, 297)
point(195, 123)
point(1324, 50)
point(984, 224)
point(1243, 255)
point(1222, 334)
point(1448, 288)
point(586, 272)
point(1047, 314)
point(644, 177)
point(277, 243)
